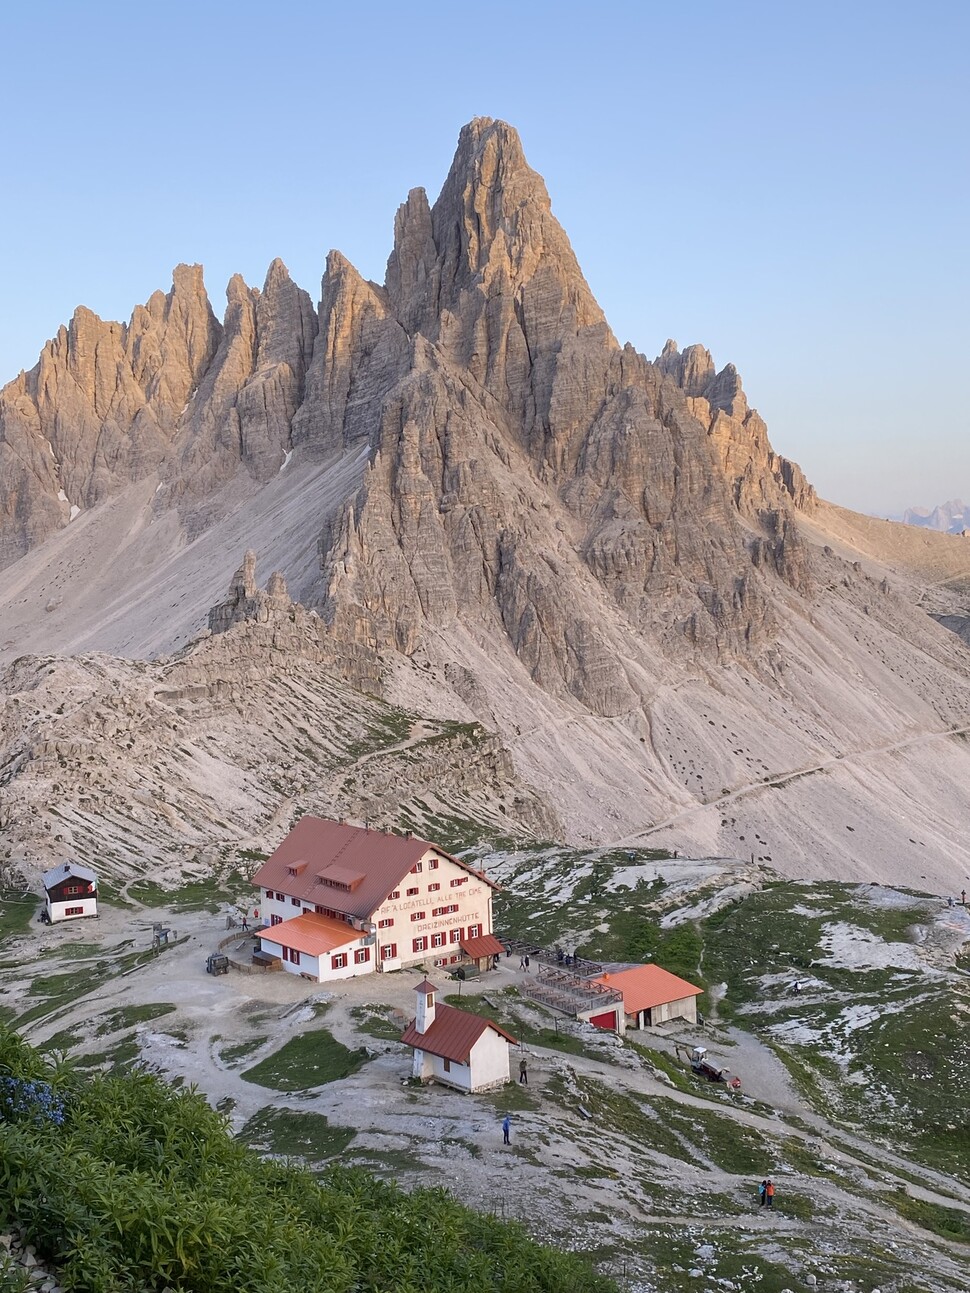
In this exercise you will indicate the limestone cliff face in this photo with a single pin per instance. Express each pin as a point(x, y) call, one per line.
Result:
point(526, 464)
point(526, 475)
point(100, 409)
point(173, 391)
point(760, 479)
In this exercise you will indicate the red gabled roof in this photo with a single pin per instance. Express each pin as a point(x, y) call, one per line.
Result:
point(366, 865)
point(646, 986)
point(484, 945)
point(452, 1034)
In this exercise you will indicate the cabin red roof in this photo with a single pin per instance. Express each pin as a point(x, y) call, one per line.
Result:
point(484, 945)
point(452, 1034)
point(346, 868)
point(646, 986)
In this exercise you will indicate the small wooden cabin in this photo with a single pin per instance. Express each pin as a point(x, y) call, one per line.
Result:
point(70, 891)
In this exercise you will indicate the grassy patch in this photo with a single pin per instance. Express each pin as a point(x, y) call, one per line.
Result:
point(308, 1060)
point(949, 1223)
point(514, 1097)
point(128, 1016)
point(74, 951)
point(192, 896)
point(308, 1135)
point(232, 1054)
point(550, 892)
point(17, 910)
point(376, 1021)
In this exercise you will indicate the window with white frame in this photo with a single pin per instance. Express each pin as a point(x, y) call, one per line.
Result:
point(388, 951)
point(362, 956)
point(420, 944)
point(338, 961)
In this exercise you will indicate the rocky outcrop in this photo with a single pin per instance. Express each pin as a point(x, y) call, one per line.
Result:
point(759, 479)
point(249, 603)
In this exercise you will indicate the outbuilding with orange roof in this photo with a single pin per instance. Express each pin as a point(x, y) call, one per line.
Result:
point(652, 995)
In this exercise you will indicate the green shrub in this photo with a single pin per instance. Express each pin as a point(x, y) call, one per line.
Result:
point(143, 1187)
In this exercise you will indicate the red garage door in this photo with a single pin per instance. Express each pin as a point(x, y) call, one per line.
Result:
point(606, 1020)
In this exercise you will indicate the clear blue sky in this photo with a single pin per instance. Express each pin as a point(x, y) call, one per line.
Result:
point(786, 183)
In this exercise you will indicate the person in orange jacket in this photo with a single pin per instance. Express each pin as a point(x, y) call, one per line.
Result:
point(770, 1192)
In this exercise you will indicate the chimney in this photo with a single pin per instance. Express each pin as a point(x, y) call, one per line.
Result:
point(424, 1015)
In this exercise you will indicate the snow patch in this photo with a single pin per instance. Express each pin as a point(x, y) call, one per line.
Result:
point(62, 496)
point(286, 459)
point(75, 511)
point(854, 948)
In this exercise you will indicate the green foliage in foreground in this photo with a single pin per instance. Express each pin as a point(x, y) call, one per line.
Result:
point(143, 1187)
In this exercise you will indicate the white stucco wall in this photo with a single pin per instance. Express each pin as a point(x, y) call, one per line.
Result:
point(489, 1060)
point(319, 967)
point(472, 897)
point(488, 1067)
point(57, 910)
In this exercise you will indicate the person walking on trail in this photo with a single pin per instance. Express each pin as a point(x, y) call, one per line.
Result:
point(523, 1072)
point(245, 924)
point(762, 1192)
point(506, 1128)
point(770, 1192)
point(526, 962)
point(521, 962)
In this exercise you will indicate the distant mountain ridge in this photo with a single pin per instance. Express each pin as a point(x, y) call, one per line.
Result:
point(949, 518)
point(496, 511)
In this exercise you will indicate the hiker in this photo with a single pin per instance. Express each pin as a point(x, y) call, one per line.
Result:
point(245, 924)
point(762, 1192)
point(526, 962)
point(506, 1128)
point(963, 896)
point(770, 1192)
point(521, 962)
point(523, 1072)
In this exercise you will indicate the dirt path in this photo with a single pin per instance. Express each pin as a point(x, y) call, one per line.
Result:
point(780, 778)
